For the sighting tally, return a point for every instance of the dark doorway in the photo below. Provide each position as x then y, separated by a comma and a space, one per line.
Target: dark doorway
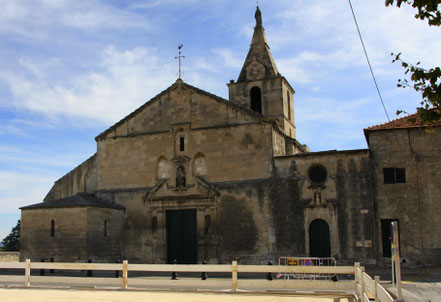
319, 240
386, 236
182, 236
256, 99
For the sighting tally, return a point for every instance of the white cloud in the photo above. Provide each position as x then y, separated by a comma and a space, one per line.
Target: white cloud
109, 92
36, 19
20, 189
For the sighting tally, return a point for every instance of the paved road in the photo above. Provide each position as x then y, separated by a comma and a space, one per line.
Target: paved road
65, 295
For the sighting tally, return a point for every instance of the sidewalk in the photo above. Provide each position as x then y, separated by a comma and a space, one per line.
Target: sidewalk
418, 283
57, 295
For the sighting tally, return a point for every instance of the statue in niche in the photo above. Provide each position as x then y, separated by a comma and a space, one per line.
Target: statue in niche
317, 198
180, 177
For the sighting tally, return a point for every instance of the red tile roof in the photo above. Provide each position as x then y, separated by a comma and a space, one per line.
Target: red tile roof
402, 123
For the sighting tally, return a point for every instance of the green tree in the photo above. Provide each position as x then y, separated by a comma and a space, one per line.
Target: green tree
12, 241
425, 81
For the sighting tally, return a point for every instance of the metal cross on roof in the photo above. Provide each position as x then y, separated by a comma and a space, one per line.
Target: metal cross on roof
179, 57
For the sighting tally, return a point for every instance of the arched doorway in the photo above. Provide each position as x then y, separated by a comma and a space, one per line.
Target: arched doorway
319, 239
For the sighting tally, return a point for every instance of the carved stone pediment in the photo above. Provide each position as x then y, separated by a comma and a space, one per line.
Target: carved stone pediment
198, 189
180, 159
318, 201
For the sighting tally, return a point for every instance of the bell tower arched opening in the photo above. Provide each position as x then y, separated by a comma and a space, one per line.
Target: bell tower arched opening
256, 99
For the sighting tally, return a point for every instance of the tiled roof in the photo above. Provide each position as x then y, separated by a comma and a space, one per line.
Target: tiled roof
402, 123
78, 200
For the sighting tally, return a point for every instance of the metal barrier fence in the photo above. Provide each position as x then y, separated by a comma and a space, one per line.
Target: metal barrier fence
307, 261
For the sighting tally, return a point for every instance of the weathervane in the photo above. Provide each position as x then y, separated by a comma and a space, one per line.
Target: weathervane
179, 57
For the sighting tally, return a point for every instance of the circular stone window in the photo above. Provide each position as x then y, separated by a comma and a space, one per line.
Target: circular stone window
317, 173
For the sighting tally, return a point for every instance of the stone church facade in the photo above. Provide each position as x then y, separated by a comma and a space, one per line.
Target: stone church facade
191, 176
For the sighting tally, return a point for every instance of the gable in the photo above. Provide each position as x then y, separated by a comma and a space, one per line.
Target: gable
164, 190
182, 104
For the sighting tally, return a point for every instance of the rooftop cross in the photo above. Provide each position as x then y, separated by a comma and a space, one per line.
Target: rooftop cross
179, 57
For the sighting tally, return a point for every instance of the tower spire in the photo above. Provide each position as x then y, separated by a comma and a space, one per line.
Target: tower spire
260, 86
259, 55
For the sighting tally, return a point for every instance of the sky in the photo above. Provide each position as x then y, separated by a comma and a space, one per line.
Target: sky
71, 69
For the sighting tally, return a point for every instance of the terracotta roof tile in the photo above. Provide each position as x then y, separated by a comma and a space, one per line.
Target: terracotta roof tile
402, 123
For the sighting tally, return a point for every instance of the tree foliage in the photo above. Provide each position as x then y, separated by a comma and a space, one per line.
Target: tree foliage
425, 81
12, 241
427, 9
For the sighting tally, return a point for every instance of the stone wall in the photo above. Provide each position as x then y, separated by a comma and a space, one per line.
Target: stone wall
135, 236
416, 203
105, 234
78, 234
9, 256
69, 237
230, 154
263, 219
274, 100
344, 200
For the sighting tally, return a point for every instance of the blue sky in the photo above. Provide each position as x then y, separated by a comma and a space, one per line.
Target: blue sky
70, 69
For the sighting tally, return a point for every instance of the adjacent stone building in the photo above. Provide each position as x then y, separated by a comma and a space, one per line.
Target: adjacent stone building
191, 176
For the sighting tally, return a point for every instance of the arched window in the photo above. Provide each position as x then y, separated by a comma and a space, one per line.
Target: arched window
256, 99
52, 228
288, 98
163, 168
180, 177
200, 166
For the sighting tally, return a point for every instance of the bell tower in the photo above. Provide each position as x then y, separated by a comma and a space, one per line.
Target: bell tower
261, 87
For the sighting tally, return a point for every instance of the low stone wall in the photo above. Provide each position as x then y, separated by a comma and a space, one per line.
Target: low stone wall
9, 256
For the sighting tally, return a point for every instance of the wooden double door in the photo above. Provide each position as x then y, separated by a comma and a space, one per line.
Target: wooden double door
182, 236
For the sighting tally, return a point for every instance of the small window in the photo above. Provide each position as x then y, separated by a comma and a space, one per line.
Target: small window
181, 144
394, 175
105, 228
317, 173
289, 105
400, 174
52, 228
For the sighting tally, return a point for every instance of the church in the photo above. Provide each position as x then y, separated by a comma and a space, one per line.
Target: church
192, 177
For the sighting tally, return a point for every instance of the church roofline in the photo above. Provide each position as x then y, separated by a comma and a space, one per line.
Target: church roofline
404, 122
78, 200
410, 121
324, 153
188, 86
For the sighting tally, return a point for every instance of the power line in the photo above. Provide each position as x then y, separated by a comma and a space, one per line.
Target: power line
368, 61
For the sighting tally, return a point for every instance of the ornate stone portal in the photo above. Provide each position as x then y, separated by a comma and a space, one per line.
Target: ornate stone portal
197, 195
